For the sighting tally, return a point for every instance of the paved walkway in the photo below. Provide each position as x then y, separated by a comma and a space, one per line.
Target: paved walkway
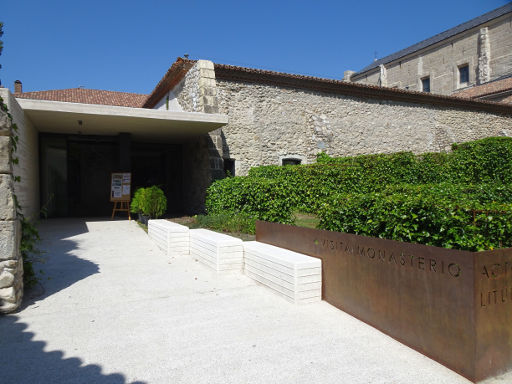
116, 310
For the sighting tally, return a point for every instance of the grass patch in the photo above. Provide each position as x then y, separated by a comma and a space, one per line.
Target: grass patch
236, 225
143, 226
306, 220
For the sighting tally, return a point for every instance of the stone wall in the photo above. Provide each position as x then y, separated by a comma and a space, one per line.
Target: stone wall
269, 122
11, 265
487, 49
27, 169
197, 92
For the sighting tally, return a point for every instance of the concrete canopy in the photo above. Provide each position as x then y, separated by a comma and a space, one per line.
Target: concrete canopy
141, 123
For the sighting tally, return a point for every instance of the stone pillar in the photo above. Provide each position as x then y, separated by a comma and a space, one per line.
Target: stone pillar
208, 104
383, 79
11, 264
484, 56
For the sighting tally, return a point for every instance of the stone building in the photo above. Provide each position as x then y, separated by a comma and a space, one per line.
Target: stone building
201, 121
204, 119
471, 54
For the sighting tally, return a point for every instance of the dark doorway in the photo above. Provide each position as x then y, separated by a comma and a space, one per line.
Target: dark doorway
90, 164
160, 165
76, 172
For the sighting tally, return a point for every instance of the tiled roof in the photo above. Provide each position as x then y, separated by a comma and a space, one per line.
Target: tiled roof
173, 76
87, 96
487, 89
439, 37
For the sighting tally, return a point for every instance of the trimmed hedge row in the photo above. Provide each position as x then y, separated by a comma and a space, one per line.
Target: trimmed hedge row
460, 199
260, 198
470, 217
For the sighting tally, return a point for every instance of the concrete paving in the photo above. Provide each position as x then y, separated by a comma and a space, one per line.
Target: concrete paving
112, 308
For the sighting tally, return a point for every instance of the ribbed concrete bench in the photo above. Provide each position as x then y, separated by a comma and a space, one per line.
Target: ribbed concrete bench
170, 237
295, 276
216, 250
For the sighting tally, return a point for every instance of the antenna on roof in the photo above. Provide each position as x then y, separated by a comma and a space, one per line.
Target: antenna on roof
375, 56
186, 55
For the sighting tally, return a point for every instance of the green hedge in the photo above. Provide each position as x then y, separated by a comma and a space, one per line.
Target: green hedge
470, 217
260, 198
431, 198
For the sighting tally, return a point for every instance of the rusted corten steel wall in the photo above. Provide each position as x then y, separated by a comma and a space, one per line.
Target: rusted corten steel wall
453, 306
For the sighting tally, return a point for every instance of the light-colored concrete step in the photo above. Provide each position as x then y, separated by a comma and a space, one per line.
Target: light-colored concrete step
216, 250
172, 238
295, 276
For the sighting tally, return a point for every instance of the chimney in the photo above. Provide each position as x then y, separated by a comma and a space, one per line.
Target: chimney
347, 75
18, 87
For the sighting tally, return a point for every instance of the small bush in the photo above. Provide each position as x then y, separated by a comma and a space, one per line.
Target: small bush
154, 202
138, 197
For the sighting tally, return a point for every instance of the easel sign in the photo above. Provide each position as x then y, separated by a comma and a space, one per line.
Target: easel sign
120, 192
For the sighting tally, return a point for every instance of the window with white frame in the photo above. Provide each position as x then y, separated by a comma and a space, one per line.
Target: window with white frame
464, 75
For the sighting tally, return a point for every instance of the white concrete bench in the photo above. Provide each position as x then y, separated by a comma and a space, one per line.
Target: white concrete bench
216, 250
295, 276
170, 237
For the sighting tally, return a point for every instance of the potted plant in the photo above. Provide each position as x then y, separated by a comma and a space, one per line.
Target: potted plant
154, 203
136, 204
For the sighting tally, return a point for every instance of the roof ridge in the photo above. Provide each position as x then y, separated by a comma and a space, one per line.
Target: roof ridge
79, 88
244, 74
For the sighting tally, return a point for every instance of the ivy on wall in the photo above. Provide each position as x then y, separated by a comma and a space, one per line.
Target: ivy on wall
29, 233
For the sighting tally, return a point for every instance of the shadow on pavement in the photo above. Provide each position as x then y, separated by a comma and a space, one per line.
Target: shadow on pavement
24, 360
57, 267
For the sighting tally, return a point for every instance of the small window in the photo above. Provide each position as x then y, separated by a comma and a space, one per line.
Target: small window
464, 75
229, 167
425, 84
291, 161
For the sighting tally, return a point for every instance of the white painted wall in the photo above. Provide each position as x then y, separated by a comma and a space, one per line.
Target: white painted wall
27, 190
174, 105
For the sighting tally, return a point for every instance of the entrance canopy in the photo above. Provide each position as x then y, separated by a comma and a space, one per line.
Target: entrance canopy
94, 119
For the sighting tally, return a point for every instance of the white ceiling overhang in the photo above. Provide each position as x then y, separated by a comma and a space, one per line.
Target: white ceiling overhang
64, 117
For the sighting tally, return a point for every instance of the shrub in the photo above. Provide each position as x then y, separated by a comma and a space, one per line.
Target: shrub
452, 216
459, 199
258, 197
138, 197
153, 202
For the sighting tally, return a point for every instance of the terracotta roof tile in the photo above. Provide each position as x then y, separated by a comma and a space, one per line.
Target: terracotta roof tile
173, 76
87, 96
487, 89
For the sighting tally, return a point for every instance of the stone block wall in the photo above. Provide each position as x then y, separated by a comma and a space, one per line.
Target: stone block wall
486, 49
269, 122
11, 265
197, 92
27, 168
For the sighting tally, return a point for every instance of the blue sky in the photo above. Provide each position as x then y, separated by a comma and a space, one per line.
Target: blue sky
129, 45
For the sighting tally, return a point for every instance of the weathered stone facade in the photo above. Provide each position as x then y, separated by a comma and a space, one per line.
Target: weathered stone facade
197, 92
11, 265
27, 190
275, 116
268, 122
485, 48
